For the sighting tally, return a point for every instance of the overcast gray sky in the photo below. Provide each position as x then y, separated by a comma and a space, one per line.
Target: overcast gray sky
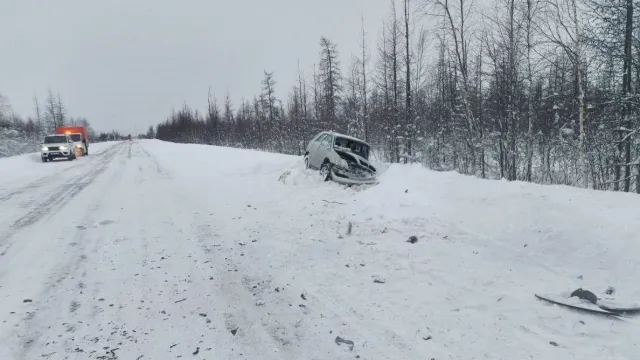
126, 63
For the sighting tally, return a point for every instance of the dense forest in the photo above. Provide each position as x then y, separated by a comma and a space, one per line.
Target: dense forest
534, 90
19, 135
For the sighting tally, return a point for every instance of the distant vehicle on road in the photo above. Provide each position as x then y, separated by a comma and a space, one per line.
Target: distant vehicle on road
56, 147
80, 138
341, 158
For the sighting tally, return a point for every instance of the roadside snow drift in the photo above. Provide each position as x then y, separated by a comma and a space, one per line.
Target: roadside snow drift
153, 250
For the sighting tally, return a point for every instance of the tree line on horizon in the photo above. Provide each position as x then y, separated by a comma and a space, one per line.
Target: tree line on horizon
20, 135
47, 116
543, 91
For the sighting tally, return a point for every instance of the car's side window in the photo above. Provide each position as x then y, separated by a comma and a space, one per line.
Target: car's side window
327, 140
321, 137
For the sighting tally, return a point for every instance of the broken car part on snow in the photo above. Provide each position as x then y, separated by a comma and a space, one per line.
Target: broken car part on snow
585, 300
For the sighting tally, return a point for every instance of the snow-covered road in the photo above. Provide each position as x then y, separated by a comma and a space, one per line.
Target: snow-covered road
152, 250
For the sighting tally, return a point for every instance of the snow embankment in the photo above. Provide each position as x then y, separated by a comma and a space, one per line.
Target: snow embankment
464, 290
12, 142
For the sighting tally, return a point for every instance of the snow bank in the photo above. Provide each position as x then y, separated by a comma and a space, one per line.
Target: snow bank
564, 225
486, 246
13, 142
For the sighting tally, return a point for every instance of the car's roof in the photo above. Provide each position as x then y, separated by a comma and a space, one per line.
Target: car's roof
345, 136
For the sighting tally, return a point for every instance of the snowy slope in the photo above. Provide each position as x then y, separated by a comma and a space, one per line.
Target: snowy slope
152, 250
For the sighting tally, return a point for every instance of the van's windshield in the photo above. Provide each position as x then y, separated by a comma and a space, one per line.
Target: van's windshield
76, 137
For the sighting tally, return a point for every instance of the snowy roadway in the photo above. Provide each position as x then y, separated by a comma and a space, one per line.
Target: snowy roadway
151, 250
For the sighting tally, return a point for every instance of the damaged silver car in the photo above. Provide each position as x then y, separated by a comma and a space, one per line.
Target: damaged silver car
341, 158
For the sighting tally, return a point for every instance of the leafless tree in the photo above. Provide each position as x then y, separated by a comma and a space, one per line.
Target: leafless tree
364, 89
530, 13
563, 28
409, 116
456, 16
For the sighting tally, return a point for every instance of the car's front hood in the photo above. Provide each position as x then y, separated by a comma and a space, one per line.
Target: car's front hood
357, 163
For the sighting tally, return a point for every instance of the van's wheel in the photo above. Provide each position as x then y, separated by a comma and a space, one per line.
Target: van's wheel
325, 171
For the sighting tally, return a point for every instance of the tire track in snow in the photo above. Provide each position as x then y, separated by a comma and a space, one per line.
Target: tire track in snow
255, 327
248, 326
63, 280
29, 330
159, 169
27, 188
64, 190
385, 342
72, 270
145, 311
37, 184
297, 328
82, 322
268, 320
267, 317
59, 197
33, 327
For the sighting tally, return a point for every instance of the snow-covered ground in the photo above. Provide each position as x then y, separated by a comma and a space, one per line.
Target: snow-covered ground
152, 250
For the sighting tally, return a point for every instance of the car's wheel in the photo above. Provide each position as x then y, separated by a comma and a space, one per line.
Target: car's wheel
44, 159
325, 171
70, 157
306, 162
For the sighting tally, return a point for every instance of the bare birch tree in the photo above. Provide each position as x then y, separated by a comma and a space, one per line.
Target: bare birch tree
563, 28
364, 89
456, 17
